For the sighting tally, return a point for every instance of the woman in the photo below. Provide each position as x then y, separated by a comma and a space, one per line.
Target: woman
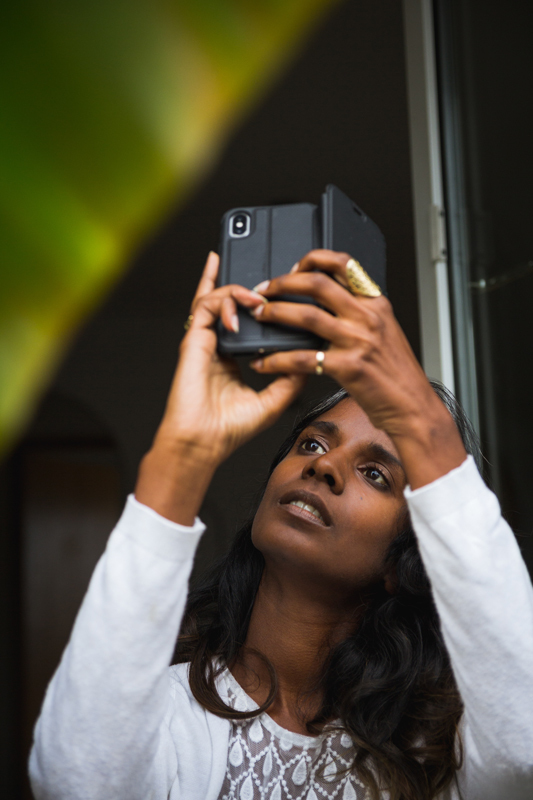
318, 667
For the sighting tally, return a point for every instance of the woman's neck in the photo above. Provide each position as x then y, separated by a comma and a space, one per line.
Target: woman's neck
295, 628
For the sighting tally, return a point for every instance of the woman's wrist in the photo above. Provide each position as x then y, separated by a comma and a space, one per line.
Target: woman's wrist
174, 477
429, 446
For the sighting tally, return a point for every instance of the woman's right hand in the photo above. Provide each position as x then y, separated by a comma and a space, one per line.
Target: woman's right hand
210, 412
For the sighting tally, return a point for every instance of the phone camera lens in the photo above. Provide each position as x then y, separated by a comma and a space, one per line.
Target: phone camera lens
240, 225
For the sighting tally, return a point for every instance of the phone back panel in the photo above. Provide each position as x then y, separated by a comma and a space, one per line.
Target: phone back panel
279, 237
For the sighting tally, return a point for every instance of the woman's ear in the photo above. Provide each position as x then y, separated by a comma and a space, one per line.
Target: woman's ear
390, 581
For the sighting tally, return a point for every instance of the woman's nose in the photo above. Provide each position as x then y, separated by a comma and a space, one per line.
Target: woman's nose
326, 468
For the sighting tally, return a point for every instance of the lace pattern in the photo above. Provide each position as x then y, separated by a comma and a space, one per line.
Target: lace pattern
267, 762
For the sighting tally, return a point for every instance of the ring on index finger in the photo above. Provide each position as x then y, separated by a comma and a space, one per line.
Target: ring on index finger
359, 281
320, 356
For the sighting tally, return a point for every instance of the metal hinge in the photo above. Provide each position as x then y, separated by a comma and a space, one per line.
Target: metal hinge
439, 250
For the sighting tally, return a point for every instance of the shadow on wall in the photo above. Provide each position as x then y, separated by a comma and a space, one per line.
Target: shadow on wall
67, 498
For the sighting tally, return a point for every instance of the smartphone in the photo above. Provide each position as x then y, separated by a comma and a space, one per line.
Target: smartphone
263, 242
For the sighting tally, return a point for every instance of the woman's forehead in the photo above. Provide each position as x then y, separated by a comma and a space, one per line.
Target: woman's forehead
348, 416
351, 422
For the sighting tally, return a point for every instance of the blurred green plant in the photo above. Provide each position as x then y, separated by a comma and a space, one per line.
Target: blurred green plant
109, 111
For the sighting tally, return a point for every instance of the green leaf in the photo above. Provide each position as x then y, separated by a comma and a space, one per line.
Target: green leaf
110, 110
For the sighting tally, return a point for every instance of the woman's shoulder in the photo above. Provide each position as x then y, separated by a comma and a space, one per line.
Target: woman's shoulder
192, 726
179, 676
180, 689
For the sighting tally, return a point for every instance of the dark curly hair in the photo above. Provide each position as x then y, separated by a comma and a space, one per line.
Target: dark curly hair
390, 682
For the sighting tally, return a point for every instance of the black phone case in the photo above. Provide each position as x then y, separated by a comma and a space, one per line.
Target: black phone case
347, 229
279, 237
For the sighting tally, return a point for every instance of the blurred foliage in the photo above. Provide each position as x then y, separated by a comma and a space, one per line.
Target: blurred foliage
110, 110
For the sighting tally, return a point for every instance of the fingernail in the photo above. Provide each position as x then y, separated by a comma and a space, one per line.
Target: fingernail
261, 287
258, 311
235, 323
257, 364
293, 269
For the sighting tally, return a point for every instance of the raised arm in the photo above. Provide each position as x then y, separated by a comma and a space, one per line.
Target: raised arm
209, 412
485, 601
104, 731
479, 581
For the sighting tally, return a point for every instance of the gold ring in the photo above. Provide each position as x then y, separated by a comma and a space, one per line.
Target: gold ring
188, 322
320, 356
359, 282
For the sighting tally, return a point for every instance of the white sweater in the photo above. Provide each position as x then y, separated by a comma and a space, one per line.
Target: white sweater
117, 724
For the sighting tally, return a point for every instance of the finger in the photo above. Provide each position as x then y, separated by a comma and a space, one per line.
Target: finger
338, 331
322, 288
228, 314
328, 261
209, 277
294, 362
208, 309
279, 394
345, 269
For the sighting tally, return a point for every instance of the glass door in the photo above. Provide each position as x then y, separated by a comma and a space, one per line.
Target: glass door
485, 73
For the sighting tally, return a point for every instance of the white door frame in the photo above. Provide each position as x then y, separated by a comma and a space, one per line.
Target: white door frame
428, 197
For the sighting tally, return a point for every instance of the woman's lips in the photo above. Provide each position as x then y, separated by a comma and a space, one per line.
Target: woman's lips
307, 505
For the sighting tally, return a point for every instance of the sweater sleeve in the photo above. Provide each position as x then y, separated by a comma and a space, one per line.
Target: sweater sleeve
484, 598
104, 714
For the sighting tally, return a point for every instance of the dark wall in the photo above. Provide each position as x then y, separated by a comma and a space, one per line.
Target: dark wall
338, 115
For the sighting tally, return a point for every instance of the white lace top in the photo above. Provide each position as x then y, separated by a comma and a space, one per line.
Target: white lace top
117, 723
267, 762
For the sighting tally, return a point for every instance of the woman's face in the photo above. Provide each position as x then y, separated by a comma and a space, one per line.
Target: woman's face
334, 504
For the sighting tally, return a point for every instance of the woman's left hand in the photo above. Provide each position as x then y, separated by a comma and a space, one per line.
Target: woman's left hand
368, 355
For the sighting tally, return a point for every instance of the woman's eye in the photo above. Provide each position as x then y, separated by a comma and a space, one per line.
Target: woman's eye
375, 475
312, 446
